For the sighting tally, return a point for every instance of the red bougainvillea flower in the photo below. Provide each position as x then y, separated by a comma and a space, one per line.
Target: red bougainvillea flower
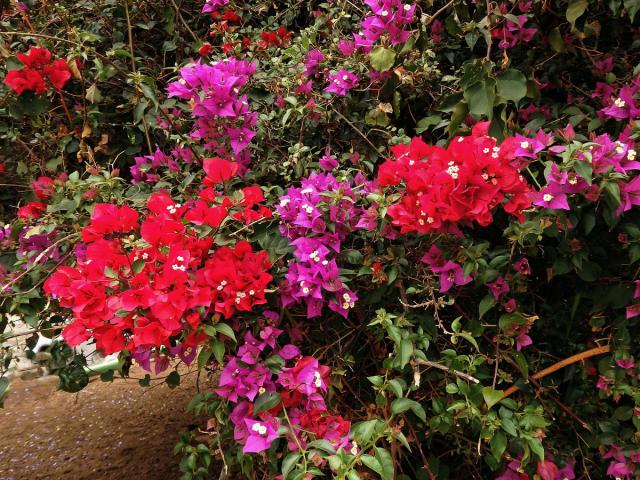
35, 57
31, 211
205, 49
58, 73
43, 187
459, 185
38, 67
218, 170
25, 80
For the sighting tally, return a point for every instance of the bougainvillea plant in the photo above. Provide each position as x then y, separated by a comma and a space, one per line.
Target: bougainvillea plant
396, 239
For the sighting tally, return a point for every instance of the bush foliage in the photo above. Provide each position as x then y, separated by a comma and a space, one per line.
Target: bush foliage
400, 239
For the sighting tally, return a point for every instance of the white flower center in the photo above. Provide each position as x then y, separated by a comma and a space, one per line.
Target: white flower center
547, 197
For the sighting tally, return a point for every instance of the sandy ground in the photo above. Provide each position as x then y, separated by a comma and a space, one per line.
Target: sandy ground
108, 431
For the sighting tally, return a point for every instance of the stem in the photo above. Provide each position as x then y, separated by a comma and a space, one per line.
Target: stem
66, 109
439, 366
133, 70
295, 437
559, 365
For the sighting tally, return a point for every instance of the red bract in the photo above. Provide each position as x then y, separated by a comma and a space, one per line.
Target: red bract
205, 49
31, 211
218, 170
446, 188
25, 80
43, 187
35, 58
38, 66
107, 219
58, 73
147, 284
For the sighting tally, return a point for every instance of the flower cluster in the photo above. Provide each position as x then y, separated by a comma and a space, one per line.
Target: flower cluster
223, 118
316, 217
622, 464
38, 67
603, 156
621, 106
145, 168
545, 470
296, 392
138, 284
342, 82
389, 17
514, 32
462, 184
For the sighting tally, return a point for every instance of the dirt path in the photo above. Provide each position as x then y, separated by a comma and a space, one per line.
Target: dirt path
108, 431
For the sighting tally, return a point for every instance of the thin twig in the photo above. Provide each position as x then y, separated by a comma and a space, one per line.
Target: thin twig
439, 366
438, 12
195, 37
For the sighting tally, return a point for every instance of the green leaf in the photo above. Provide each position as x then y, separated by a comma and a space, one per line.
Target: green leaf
498, 445
384, 457
218, 350
266, 401
486, 304
226, 330
403, 404
373, 463
406, 349
144, 382
425, 123
536, 447
138, 266
203, 356
512, 85
322, 444
173, 379
491, 396
480, 97
289, 463
363, 431
93, 94
632, 7
4, 390
575, 10
584, 170
556, 41
382, 59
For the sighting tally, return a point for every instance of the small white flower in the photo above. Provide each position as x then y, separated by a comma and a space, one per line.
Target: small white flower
384, 13
180, 258
619, 103
354, 448
547, 197
345, 77
430, 220
317, 379
524, 144
420, 222
460, 139
407, 7
631, 154
485, 150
